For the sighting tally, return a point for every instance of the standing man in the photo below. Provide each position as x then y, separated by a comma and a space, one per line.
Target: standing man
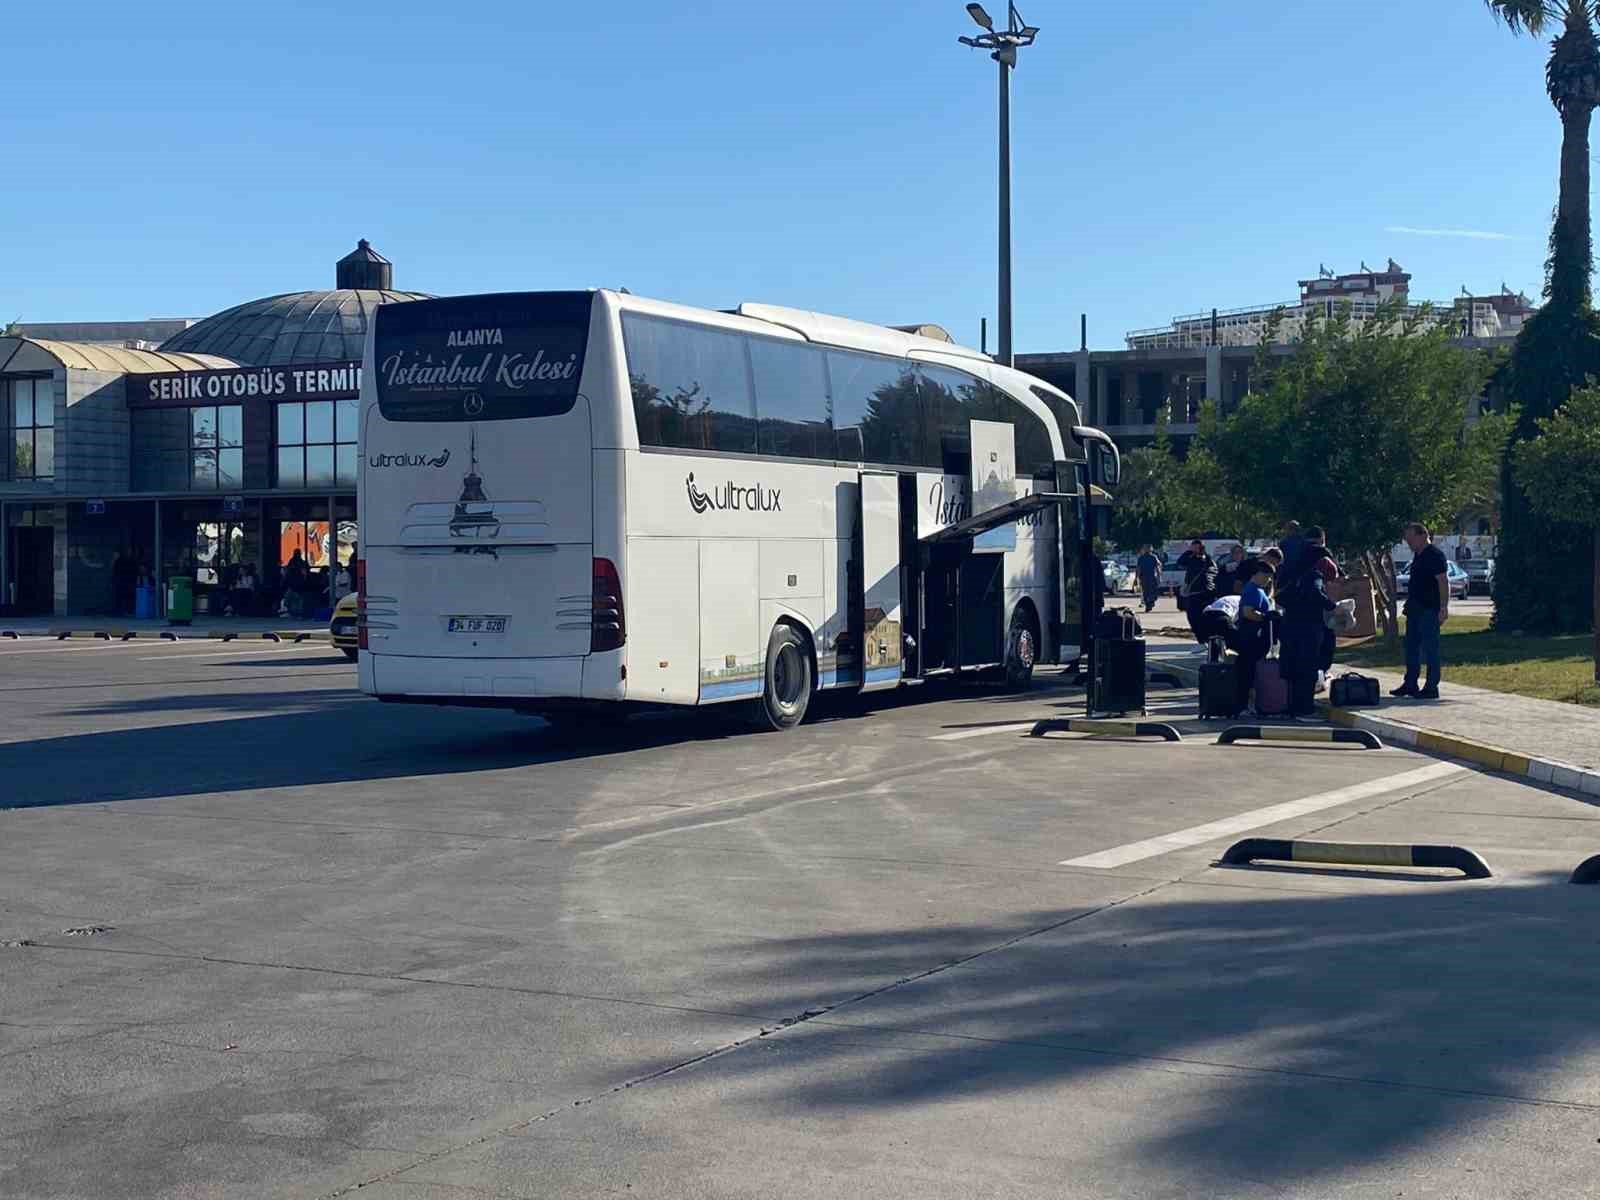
1304, 600
1463, 551
1149, 577
1230, 576
1427, 608
1199, 585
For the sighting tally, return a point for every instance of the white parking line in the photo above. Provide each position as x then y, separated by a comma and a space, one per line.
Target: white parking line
962, 735
240, 653
1121, 856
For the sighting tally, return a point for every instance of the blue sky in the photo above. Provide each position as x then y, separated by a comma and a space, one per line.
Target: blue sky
1170, 155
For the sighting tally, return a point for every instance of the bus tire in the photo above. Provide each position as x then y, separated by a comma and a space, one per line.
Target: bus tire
787, 685
1022, 650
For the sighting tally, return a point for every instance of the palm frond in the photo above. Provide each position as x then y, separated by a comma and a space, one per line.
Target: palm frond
1529, 16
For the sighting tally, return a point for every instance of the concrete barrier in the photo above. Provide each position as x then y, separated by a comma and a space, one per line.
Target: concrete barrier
1115, 728
1357, 854
1297, 733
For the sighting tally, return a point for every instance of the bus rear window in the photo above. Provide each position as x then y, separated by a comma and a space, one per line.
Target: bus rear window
480, 358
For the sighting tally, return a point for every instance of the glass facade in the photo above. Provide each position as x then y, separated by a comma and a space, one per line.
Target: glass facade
188, 449
31, 417
316, 444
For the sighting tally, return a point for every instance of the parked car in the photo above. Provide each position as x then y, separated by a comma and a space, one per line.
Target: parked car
1460, 583
1120, 578
1480, 575
342, 629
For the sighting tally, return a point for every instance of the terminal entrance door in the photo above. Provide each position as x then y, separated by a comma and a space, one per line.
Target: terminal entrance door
33, 573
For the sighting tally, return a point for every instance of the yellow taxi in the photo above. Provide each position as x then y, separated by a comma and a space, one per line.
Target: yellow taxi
343, 626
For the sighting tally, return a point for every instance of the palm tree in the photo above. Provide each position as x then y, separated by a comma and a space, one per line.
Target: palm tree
1572, 77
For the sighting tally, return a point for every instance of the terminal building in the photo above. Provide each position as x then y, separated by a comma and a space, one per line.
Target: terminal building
229, 444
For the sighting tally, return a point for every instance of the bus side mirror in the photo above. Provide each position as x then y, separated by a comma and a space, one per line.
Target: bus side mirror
1108, 467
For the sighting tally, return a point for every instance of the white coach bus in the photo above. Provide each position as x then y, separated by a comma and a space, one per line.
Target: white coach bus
577, 500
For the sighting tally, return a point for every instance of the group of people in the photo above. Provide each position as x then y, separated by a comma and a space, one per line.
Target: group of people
1282, 594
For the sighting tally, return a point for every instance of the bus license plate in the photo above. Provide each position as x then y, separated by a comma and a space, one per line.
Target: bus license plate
477, 625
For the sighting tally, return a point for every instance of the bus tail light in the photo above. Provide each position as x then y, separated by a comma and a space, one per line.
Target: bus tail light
608, 631
361, 604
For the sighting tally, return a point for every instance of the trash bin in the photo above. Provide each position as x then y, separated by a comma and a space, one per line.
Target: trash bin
180, 600
144, 602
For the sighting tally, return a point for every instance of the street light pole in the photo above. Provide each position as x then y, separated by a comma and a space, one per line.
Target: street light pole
1005, 207
1003, 44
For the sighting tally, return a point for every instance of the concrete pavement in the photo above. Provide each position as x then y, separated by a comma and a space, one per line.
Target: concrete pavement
266, 938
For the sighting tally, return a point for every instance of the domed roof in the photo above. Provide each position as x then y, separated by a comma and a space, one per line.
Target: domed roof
297, 327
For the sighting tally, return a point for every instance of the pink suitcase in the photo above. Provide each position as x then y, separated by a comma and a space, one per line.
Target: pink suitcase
1272, 690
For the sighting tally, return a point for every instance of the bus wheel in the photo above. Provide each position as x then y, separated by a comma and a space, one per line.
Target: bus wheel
786, 693
1022, 651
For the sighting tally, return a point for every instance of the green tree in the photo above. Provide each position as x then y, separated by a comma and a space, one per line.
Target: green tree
1363, 428
1559, 347
1204, 496
1145, 510
1560, 470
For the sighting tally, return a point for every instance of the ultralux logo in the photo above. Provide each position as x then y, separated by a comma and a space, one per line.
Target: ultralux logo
731, 497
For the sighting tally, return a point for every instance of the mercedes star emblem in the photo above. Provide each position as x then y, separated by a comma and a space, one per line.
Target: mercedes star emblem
472, 404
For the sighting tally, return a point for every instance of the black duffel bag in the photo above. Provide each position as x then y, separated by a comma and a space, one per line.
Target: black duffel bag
1353, 691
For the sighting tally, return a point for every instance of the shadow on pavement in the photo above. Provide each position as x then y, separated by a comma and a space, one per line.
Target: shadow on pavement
1321, 1032
344, 739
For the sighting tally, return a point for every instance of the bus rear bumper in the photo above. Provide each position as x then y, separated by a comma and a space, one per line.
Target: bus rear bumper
500, 681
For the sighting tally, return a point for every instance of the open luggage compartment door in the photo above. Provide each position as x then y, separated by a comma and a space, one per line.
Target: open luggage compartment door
875, 610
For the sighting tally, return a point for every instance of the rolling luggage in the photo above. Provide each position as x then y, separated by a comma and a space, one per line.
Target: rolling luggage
1219, 691
1272, 689
1118, 624
1121, 685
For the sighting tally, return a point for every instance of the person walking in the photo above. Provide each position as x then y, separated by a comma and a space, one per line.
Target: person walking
1304, 600
1199, 584
1149, 577
1427, 608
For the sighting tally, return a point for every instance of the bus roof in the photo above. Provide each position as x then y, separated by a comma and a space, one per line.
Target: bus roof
858, 335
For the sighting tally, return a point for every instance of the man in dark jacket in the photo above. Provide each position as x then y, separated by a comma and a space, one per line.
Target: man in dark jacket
1199, 585
1230, 577
1304, 601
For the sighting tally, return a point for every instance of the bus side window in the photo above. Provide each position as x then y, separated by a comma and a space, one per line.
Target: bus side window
878, 398
791, 399
690, 384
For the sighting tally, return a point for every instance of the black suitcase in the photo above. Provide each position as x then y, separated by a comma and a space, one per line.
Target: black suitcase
1120, 687
1118, 624
1351, 690
1219, 691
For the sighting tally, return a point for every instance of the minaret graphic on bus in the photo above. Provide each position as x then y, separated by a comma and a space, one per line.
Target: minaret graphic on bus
474, 516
